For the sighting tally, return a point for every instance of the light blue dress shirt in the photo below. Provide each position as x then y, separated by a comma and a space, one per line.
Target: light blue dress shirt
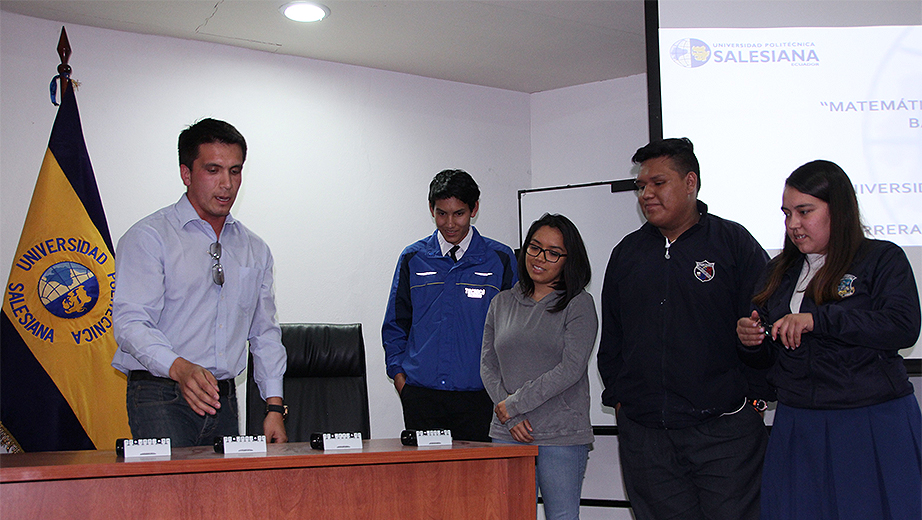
166, 304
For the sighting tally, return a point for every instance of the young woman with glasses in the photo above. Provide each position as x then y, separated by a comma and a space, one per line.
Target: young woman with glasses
536, 346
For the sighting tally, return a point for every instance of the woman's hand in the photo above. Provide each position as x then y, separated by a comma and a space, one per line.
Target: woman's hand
788, 330
750, 330
501, 413
520, 432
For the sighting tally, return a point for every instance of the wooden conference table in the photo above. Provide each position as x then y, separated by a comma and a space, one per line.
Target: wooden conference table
467, 480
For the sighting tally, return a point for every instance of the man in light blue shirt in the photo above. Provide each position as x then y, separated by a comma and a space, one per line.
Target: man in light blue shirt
194, 285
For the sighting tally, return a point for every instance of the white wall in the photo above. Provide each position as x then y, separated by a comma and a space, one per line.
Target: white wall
338, 169
588, 133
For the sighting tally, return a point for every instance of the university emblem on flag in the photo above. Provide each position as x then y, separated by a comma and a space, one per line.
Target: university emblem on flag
847, 285
704, 271
68, 290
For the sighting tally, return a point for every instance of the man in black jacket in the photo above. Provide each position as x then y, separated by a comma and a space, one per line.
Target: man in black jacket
691, 443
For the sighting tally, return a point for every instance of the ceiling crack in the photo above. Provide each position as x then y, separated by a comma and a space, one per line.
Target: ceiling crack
210, 17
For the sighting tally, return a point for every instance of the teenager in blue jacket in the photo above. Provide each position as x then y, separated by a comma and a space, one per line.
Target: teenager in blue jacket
433, 325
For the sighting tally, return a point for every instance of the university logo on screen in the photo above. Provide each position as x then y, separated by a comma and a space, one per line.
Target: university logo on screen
692, 53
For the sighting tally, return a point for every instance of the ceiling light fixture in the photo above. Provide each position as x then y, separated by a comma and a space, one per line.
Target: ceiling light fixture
305, 11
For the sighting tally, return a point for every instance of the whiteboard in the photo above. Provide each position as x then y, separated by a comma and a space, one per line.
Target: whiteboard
603, 217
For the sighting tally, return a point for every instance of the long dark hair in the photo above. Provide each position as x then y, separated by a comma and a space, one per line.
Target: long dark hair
576, 271
826, 181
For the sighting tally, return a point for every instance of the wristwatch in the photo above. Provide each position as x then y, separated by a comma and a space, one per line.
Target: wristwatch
760, 405
280, 408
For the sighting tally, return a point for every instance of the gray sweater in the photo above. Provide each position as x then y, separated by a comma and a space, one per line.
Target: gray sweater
538, 362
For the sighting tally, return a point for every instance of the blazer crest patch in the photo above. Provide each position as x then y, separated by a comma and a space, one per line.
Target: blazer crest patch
704, 271
847, 285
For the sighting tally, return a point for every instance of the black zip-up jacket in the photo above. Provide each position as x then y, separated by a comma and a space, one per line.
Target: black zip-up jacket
851, 357
668, 348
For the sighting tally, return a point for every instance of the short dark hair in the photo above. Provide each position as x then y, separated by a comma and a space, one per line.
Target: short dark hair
454, 183
576, 270
207, 131
680, 150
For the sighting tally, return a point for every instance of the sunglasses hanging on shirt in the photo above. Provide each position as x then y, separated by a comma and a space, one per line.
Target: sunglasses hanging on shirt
217, 270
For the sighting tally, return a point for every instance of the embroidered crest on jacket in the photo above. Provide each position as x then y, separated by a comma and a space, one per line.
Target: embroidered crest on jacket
704, 271
847, 285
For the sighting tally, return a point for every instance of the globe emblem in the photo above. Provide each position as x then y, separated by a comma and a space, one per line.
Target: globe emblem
68, 290
690, 52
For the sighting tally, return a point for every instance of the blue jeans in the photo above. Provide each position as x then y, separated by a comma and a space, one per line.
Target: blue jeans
559, 473
157, 409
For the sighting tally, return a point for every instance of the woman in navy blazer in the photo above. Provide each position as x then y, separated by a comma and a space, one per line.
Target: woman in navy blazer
833, 311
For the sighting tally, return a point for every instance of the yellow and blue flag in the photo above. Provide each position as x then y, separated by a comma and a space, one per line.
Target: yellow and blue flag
58, 390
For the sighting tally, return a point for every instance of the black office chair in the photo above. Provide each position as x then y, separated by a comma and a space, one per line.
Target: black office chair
325, 384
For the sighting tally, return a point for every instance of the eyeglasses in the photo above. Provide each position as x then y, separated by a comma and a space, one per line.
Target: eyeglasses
549, 255
217, 270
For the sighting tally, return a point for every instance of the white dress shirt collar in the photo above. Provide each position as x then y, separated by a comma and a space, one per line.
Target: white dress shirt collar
446, 246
